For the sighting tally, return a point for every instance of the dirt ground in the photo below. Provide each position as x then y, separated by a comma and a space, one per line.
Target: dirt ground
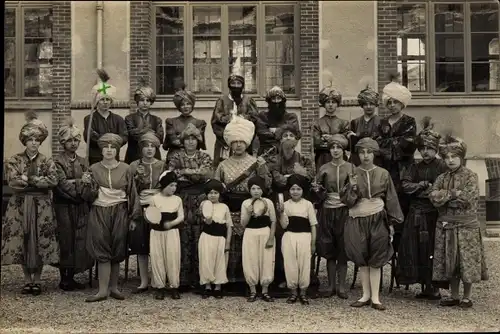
55, 311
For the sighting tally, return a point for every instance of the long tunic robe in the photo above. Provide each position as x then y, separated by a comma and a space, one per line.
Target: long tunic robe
137, 125
363, 129
458, 249
417, 240
228, 171
266, 121
326, 125
222, 115
147, 185
366, 234
397, 147
191, 191
175, 126
117, 204
112, 124
72, 199
29, 230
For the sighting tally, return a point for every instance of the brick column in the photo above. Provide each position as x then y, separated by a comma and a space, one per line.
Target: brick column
61, 68
387, 28
141, 49
309, 70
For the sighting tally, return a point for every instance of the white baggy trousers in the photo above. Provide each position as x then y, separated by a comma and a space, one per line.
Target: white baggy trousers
296, 249
212, 259
258, 261
165, 254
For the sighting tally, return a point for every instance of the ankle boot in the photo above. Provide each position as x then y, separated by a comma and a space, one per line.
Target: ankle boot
64, 284
74, 284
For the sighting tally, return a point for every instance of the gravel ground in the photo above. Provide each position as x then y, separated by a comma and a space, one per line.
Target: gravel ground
54, 311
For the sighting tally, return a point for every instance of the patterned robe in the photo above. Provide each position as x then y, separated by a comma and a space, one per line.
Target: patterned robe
265, 121
112, 124
417, 239
363, 129
228, 171
458, 250
221, 116
175, 126
137, 125
191, 191
330, 125
29, 230
72, 200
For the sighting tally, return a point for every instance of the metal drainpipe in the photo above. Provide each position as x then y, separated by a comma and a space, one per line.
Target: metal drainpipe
99, 7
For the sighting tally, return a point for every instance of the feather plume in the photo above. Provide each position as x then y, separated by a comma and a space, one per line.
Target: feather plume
448, 137
393, 75
103, 75
69, 121
426, 123
143, 81
30, 115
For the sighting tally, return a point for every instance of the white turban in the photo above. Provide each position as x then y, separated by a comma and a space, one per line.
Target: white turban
396, 91
103, 90
239, 129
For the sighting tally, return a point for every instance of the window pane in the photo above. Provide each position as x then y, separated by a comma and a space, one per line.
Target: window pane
413, 74
449, 18
207, 64
279, 49
282, 76
9, 47
280, 19
207, 79
206, 20
37, 52
483, 46
168, 79
449, 48
243, 60
169, 49
242, 20
411, 19
484, 17
169, 21
486, 76
450, 78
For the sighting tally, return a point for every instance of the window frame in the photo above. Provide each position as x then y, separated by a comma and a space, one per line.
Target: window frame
19, 37
430, 40
260, 44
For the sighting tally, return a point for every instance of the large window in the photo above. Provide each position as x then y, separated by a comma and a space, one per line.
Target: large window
27, 51
449, 47
201, 44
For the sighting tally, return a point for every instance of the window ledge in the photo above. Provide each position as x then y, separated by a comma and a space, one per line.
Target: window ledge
28, 104
454, 101
209, 103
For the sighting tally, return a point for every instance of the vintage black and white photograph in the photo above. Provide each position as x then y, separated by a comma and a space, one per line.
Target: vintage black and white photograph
251, 166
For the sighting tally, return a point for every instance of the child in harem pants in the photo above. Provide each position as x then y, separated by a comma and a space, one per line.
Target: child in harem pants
298, 219
214, 242
258, 251
165, 245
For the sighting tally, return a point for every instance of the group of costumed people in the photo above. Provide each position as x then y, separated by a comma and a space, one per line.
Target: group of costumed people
271, 209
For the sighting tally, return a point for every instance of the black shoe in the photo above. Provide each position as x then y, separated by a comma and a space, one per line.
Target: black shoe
66, 286
36, 289
175, 294
159, 294
206, 293
218, 294
27, 289
137, 291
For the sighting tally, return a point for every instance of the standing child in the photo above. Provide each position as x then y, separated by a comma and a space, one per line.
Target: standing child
164, 242
299, 241
215, 240
259, 219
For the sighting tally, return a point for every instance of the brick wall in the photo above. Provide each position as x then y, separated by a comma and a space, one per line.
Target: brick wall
387, 27
309, 69
493, 168
61, 82
141, 49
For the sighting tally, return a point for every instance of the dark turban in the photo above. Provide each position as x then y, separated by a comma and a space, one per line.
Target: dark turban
257, 181
236, 77
328, 93
273, 92
290, 128
300, 180
428, 137
452, 144
166, 178
213, 184
368, 95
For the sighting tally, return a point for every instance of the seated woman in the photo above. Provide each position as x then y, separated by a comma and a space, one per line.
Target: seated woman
193, 167
146, 172
458, 251
373, 209
29, 230
117, 205
234, 172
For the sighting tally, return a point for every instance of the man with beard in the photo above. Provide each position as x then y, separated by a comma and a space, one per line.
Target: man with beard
227, 107
366, 125
285, 163
270, 125
141, 122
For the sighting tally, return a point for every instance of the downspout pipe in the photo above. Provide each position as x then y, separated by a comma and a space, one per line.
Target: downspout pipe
99, 8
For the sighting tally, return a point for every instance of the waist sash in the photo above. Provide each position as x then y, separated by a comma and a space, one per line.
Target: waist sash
332, 201
165, 217
259, 222
298, 225
366, 207
108, 197
215, 229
